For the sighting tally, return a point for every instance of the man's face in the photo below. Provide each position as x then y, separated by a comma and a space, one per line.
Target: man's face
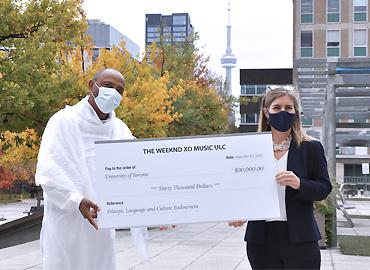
110, 79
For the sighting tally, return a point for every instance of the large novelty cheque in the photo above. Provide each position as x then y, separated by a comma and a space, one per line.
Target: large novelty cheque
150, 182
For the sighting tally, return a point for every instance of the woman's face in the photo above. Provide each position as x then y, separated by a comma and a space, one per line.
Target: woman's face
283, 103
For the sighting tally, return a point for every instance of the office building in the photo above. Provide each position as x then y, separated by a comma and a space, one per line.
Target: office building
253, 84
170, 29
331, 55
105, 36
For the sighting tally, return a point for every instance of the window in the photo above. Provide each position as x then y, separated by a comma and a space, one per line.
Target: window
359, 10
179, 29
179, 20
260, 89
332, 43
360, 42
179, 39
152, 39
154, 29
179, 34
96, 53
250, 118
306, 44
153, 35
353, 170
333, 9
306, 11
252, 89
167, 29
242, 89
306, 121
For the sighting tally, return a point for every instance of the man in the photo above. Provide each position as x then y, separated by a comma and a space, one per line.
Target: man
65, 170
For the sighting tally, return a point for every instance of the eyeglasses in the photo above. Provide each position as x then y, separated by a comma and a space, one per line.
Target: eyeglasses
281, 87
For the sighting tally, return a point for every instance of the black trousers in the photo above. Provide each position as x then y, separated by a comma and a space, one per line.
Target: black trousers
279, 253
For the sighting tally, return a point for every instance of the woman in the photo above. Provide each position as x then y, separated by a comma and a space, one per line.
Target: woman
289, 242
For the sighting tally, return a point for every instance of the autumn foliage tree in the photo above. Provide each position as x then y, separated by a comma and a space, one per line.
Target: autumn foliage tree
43, 46
7, 178
35, 78
169, 93
19, 153
202, 108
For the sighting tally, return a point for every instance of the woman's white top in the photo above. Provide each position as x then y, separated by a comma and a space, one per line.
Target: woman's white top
281, 165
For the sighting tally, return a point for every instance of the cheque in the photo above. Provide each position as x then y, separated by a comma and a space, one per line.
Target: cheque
152, 182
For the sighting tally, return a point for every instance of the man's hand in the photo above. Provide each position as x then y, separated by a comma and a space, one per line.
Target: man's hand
237, 223
89, 211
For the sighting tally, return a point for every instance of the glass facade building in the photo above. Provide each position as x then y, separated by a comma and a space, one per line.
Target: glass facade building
253, 84
171, 29
105, 36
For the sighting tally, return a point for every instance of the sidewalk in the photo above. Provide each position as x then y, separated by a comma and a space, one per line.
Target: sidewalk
12, 211
212, 246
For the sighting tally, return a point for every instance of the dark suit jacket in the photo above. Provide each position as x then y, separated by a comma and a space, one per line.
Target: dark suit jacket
308, 162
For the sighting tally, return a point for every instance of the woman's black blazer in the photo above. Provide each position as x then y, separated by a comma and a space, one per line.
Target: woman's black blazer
308, 162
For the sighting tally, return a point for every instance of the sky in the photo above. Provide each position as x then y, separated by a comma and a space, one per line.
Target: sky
261, 33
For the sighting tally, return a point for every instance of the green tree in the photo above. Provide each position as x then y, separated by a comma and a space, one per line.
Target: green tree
169, 93
202, 108
201, 111
37, 38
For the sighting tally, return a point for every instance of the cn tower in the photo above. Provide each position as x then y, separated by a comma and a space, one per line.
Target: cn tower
228, 60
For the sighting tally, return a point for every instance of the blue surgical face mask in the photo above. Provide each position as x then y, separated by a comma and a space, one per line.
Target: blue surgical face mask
281, 121
108, 99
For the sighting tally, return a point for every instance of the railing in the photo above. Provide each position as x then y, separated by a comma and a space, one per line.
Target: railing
357, 179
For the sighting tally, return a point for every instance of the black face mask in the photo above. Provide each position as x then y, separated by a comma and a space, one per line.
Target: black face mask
281, 121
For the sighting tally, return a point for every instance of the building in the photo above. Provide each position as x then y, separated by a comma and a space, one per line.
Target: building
331, 69
171, 29
228, 60
331, 28
105, 36
253, 84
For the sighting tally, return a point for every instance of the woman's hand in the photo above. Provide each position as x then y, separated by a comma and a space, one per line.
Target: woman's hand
288, 178
237, 223
166, 227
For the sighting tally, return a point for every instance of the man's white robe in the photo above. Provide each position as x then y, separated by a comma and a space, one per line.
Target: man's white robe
65, 170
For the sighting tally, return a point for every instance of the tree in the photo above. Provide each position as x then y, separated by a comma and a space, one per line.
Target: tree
201, 111
6, 178
18, 154
169, 93
202, 107
36, 38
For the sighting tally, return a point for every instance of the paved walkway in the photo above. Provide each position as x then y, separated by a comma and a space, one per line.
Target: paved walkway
12, 211
212, 246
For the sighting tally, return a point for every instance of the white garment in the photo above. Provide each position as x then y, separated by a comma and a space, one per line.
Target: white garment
65, 170
281, 165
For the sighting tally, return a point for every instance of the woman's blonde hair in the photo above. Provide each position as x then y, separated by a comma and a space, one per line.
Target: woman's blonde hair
273, 92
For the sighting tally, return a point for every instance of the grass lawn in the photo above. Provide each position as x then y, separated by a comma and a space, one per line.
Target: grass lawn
5, 198
360, 216
354, 245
